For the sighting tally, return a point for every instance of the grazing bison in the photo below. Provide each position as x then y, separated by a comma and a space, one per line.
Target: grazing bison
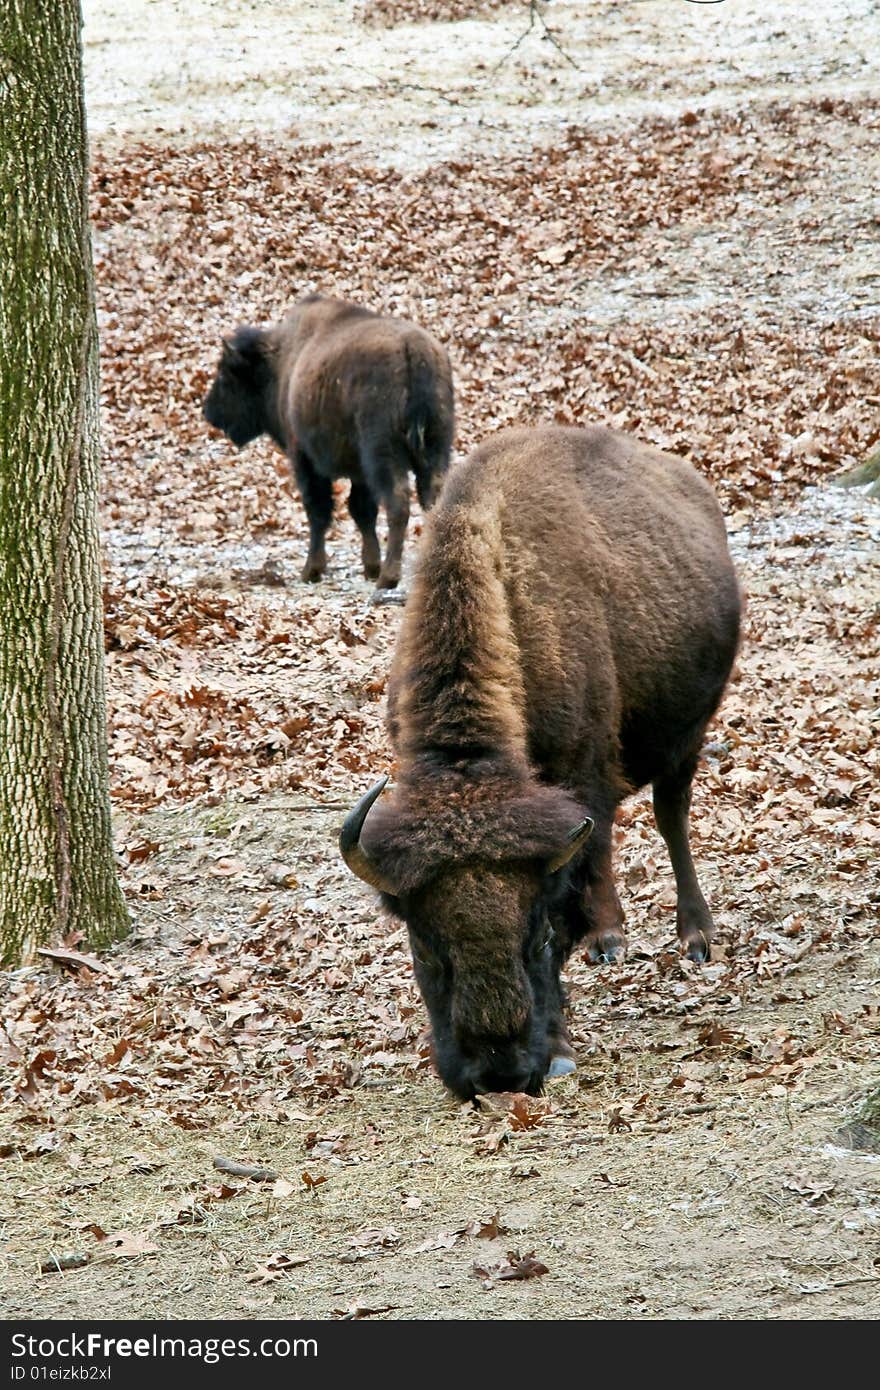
346, 393
571, 626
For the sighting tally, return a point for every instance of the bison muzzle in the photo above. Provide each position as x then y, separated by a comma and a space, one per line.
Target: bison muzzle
573, 621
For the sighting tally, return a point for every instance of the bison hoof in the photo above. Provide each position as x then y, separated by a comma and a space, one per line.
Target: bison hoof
312, 573
371, 571
696, 946
560, 1066
607, 949
388, 581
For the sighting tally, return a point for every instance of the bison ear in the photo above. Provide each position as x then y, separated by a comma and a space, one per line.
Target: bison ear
230, 354
244, 349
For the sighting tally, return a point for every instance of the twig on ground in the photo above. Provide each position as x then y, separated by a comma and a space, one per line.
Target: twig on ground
536, 17
839, 1284
244, 1170
396, 85
57, 1264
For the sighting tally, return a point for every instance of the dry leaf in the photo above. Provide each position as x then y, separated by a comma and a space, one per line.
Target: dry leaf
276, 1267
359, 1310
128, 1244
516, 1267
312, 1182
75, 959
281, 1188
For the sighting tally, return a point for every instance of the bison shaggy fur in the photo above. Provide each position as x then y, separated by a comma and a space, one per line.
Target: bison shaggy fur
346, 393
572, 623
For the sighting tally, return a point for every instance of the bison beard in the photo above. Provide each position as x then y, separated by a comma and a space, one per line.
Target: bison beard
573, 621
346, 393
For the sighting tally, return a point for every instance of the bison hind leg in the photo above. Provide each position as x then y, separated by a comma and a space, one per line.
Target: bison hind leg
317, 495
385, 466
672, 799
364, 510
396, 501
314, 567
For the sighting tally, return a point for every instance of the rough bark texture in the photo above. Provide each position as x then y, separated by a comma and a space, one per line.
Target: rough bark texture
57, 871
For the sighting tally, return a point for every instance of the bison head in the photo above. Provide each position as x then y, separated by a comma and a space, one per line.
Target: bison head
240, 399
475, 873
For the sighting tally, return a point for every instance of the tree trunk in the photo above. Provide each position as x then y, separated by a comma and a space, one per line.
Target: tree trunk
57, 872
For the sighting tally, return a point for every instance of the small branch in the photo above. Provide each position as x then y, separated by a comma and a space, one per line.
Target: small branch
522, 38
840, 1284
57, 1264
536, 17
635, 362
244, 1170
396, 85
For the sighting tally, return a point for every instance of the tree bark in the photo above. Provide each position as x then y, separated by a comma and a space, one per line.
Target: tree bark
57, 871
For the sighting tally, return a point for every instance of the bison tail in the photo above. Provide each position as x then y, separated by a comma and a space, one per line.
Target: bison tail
416, 437
428, 422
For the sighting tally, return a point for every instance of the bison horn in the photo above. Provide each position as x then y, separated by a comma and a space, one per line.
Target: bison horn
576, 838
350, 846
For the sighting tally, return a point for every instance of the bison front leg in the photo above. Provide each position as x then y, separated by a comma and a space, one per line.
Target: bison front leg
605, 938
562, 1062
317, 495
593, 912
364, 510
560, 1051
672, 799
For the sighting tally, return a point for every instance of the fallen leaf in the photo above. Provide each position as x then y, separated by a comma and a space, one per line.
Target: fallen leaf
282, 1188
526, 1268
815, 1192
76, 959
487, 1229
125, 1245
275, 1267
311, 1182
358, 1310
141, 850
516, 1267
385, 1237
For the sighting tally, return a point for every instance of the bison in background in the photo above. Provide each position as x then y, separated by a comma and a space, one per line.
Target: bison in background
346, 393
571, 626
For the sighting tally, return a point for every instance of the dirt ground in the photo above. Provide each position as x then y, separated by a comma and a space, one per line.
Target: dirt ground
664, 216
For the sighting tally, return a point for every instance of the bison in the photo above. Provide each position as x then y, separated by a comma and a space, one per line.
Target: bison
346, 393
572, 623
